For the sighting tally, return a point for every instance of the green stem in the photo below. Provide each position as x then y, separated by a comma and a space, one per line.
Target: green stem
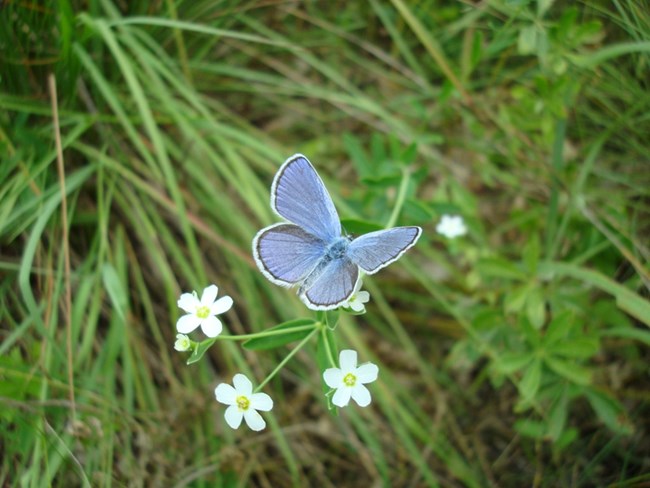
401, 196
328, 350
286, 360
257, 335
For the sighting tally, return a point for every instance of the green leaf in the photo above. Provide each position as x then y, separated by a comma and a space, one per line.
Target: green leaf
510, 362
515, 299
355, 226
609, 411
357, 154
529, 384
531, 254
500, 268
543, 6
532, 335
530, 428
383, 181
527, 42
277, 340
409, 154
487, 319
558, 415
566, 438
560, 327
417, 211
200, 350
581, 348
626, 299
536, 308
115, 290
571, 371
628, 333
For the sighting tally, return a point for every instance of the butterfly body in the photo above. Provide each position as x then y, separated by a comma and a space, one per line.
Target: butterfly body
310, 249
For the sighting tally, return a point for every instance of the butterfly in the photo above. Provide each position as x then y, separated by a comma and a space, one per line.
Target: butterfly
310, 250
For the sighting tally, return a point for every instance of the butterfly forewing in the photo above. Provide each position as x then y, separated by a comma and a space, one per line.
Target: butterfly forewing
376, 250
333, 287
299, 195
286, 253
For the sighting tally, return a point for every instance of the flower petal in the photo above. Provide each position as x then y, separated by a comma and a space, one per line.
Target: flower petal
182, 343
225, 394
187, 323
233, 416
211, 326
254, 420
188, 302
363, 296
261, 401
348, 360
221, 306
333, 377
209, 294
361, 395
357, 306
342, 396
242, 384
367, 373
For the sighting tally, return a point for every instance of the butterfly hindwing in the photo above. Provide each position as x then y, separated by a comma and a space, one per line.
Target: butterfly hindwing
299, 195
334, 285
376, 250
286, 253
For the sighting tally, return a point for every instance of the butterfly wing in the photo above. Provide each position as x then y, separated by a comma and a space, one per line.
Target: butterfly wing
286, 253
299, 196
376, 250
334, 285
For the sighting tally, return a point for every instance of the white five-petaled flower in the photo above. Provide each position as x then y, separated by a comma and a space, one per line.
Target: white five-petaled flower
182, 343
349, 380
243, 403
203, 312
451, 226
358, 299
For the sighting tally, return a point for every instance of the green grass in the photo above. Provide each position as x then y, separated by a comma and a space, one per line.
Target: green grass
514, 356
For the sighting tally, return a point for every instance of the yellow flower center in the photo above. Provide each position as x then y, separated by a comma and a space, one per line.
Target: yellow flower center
243, 403
349, 379
203, 312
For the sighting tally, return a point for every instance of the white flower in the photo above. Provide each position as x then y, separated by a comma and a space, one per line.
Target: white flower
182, 343
348, 380
451, 226
358, 299
243, 403
202, 312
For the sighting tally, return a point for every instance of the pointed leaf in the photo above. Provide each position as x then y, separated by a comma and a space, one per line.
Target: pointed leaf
571, 371
200, 350
529, 384
560, 327
500, 268
530, 428
531, 254
628, 333
515, 299
558, 415
581, 348
536, 308
115, 289
609, 411
510, 362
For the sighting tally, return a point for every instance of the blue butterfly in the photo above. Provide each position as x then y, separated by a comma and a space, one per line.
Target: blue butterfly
309, 250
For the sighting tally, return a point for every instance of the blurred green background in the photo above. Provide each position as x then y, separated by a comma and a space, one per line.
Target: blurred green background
516, 355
